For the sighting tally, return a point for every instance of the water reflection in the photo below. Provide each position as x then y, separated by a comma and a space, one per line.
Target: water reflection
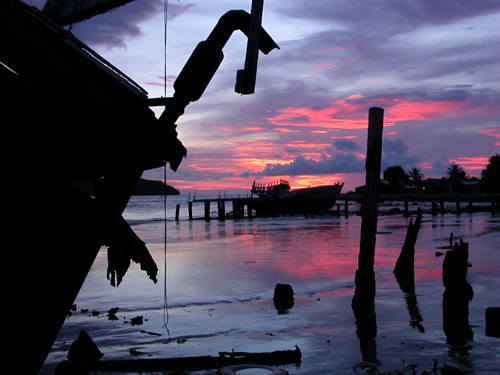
366, 331
406, 283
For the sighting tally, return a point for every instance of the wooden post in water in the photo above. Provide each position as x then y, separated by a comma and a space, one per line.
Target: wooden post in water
190, 210
177, 209
249, 210
222, 209
365, 276
237, 209
207, 210
434, 209
405, 263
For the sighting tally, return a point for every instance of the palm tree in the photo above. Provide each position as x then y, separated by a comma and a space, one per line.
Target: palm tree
456, 173
416, 176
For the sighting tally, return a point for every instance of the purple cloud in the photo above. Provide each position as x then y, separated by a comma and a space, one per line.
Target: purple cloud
113, 29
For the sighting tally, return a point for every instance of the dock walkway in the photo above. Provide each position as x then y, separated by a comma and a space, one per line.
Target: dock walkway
436, 200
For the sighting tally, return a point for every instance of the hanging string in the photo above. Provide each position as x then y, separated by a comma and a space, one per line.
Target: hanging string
166, 317
165, 20
165, 295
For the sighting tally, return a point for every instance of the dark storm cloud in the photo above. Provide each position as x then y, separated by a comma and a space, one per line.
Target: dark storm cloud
439, 167
114, 28
342, 144
390, 15
395, 152
370, 39
338, 163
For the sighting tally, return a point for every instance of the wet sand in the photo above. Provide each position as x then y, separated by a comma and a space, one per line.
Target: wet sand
221, 277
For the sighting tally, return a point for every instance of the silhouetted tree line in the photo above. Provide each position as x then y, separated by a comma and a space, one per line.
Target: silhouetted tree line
397, 180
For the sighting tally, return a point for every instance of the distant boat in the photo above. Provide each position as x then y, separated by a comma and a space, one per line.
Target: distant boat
279, 198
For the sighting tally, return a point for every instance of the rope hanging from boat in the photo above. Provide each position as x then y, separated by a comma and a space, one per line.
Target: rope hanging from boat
165, 20
165, 296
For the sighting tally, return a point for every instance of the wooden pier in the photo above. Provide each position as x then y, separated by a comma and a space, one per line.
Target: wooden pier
437, 201
461, 202
237, 203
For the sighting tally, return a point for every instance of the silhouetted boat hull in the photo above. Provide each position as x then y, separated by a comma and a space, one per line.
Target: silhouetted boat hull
278, 199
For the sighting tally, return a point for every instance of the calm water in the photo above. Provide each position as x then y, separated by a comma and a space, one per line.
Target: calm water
220, 277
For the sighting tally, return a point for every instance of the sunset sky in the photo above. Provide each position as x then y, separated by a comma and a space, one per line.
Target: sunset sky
433, 65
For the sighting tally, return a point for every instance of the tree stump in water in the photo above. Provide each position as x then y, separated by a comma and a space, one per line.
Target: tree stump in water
404, 270
458, 292
406, 258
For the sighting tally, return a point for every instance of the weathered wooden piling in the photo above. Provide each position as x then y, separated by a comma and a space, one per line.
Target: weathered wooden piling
190, 210
434, 209
458, 292
238, 209
207, 210
249, 211
495, 207
177, 209
492, 315
365, 276
221, 209
406, 259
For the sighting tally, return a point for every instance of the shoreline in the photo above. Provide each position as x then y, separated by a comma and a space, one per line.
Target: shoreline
221, 278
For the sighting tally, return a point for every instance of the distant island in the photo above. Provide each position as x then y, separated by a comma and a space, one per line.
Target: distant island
143, 187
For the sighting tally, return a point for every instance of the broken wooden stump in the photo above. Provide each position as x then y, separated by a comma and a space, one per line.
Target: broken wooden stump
492, 315
458, 292
455, 266
283, 298
406, 259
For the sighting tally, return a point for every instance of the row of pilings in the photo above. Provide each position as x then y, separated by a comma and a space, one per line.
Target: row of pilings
461, 204
237, 203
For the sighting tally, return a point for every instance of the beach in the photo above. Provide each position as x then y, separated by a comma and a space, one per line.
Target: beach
217, 295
